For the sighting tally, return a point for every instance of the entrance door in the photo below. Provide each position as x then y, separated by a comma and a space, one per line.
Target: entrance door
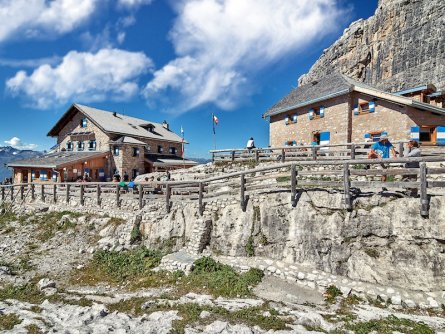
427, 135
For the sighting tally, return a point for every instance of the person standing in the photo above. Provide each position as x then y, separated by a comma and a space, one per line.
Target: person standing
382, 150
250, 144
413, 151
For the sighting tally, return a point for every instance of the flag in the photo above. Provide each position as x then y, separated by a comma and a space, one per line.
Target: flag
215, 121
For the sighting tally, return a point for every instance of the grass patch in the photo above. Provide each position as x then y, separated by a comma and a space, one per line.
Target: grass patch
331, 293
282, 179
48, 224
8, 321
372, 252
26, 292
389, 325
221, 280
117, 267
33, 329
250, 248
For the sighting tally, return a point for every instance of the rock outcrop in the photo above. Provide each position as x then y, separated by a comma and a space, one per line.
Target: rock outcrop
401, 46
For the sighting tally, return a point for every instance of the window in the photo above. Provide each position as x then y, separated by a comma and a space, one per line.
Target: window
116, 150
160, 149
135, 151
375, 136
316, 112
83, 123
134, 173
80, 146
316, 138
172, 150
427, 134
92, 145
69, 146
43, 175
364, 108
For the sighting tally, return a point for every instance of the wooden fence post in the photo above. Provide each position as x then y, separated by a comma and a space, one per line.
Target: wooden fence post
242, 197
118, 195
98, 193
201, 194
82, 198
352, 151
141, 196
401, 148
33, 191
233, 156
42, 194
213, 157
347, 186
167, 197
424, 205
68, 193
3, 194
55, 193
12, 193
283, 155
22, 192
314, 153
257, 156
293, 184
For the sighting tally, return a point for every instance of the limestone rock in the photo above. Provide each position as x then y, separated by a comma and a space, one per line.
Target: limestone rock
46, 283
401, 46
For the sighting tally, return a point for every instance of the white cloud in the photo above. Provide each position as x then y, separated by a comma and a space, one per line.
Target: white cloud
32, 17
84, 77
18, 144
221, 44
133, 3
29, 62
121, 37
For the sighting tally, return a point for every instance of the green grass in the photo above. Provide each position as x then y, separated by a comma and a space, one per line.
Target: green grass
8, 321
331, 293
389, 325
250, 248
283, 179
372, 252
33, 329
26, 292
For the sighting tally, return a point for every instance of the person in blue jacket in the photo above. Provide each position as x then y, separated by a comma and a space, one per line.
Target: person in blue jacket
382, 149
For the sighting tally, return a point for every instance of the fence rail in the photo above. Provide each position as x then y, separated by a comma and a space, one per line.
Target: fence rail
345, 151
285, 177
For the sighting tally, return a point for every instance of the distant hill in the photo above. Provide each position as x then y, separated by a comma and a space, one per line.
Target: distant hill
201, 161
9, 154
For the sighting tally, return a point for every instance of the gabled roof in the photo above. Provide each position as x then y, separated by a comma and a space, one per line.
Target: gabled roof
57, 159
115, 123
334, 85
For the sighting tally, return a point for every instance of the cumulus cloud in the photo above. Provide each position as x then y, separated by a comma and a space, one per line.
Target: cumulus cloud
83, 76
221, 44
31, 18
18, 144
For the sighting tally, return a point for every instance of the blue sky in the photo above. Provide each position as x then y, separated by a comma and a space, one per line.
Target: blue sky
179, 60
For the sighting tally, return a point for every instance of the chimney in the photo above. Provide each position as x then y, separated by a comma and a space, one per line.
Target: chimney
165, 125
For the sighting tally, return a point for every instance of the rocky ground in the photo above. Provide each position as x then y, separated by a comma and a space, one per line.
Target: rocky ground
57, 275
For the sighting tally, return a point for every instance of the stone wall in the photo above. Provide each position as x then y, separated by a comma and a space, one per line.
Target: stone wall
383, 240
335, 121
400, 47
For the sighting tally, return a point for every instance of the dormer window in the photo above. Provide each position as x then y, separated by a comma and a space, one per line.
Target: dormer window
80, 146
116, 151
83, 122
69, 146
160, 149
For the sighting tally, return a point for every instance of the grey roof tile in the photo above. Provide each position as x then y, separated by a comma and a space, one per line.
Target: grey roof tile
54, 160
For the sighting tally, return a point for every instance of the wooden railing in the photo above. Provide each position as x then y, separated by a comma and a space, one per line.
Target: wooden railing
343, 151
289, 177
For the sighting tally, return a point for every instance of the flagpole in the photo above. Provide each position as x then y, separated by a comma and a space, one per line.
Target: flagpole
183, 148
214, 132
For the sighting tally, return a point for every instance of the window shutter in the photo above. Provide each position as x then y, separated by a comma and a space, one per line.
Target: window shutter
440, 130
286, 120
94, 144
356, 112
285, 143
54, 177
415, 133
367, 135
311, 114
384, 133
372, 106
294, 143
321, 111
294, 118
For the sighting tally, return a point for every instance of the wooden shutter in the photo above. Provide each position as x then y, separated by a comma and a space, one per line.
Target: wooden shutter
321, 111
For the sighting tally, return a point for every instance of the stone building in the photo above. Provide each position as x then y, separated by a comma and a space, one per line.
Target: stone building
338, 109
101, 144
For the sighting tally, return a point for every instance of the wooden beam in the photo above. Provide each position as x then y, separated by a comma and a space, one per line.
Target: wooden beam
118, 195
55, 193
33, 191
22, 192
42, 194
242, 190
424, 203
99, 192
141, 196
201, 195
352, 151
293, 184
68, 193
347, 186
167, 197
82, 195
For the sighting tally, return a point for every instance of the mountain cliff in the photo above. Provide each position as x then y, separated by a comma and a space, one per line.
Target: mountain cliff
401, 46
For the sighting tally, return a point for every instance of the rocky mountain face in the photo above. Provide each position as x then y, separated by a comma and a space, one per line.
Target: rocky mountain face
9, 154
401, 46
